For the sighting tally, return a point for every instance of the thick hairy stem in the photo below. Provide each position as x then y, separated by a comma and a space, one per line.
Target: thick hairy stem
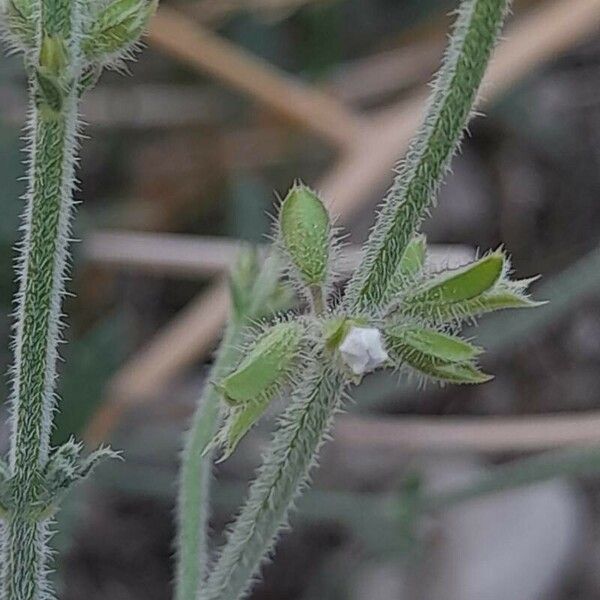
415, 186
194, 485
302, 429
43, 265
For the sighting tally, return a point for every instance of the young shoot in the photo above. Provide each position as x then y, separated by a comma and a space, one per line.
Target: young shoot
394, 313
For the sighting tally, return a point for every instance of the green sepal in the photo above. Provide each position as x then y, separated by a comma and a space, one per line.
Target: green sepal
462, 284
237, 424
435, 355
305, 234
434, 368
257, 290
266, 366
461, 373
438, 345
336, 329
50, 74
117, 27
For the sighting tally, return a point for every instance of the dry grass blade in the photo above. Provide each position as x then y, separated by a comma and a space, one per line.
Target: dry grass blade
179, 37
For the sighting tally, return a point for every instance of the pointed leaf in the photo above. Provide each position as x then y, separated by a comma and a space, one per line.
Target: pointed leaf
90, 462
462, 284
462, 373
443, 346
239, 422
458, 373
117, 27
505, 295
410, 266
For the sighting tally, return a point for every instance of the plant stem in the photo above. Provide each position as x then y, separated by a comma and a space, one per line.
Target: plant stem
301, 432
306, 422
415, 186
194, 485
43, 266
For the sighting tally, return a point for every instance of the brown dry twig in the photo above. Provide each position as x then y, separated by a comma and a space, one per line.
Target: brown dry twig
317, 112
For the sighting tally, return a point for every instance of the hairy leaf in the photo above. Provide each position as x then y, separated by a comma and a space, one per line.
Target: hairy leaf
433, 343
461, 284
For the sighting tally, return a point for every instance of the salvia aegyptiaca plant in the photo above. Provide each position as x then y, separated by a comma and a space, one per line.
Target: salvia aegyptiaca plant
393, 313
65, 44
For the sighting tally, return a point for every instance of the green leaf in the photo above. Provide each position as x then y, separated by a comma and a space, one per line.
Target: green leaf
65, 468
503, 296
443, 346
409, 268
461, 373
305, 233
464, 283
117, 27
266, 367
434, 368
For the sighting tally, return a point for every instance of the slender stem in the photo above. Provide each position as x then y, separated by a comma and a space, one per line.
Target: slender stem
415, 186
302, 430
43, 265
195, 478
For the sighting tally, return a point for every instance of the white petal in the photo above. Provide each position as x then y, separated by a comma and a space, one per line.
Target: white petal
362, 350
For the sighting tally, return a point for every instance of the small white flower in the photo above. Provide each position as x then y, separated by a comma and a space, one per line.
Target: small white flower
362, 350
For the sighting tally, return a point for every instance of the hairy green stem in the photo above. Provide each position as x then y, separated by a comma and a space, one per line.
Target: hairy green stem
415, 186
194, 485
306, 422
285, 469
43, 265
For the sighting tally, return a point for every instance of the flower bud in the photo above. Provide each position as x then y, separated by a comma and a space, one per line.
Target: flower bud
305, 233
250, 388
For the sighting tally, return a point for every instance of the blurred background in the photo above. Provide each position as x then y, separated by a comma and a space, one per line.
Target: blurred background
229, 103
